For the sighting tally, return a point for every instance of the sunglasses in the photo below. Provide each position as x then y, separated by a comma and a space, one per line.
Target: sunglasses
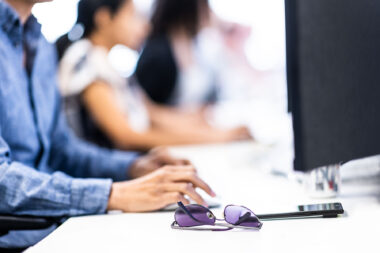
193, 217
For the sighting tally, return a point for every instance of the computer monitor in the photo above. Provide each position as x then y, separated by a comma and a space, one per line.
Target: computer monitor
333, 70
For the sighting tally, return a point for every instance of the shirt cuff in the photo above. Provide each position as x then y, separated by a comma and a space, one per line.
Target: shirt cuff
89, 196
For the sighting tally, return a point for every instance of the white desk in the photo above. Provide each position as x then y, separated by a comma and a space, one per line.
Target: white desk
235, 172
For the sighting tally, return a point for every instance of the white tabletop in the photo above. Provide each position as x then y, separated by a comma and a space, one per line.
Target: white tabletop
239, 174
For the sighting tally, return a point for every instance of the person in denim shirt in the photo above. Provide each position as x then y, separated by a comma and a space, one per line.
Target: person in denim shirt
44, 169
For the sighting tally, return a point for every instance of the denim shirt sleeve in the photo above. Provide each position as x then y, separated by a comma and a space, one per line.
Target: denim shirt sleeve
26, 191
81, 159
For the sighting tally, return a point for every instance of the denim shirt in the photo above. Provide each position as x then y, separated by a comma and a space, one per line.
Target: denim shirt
43, 166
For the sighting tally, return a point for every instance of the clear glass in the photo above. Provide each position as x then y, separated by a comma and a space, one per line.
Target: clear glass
323, 182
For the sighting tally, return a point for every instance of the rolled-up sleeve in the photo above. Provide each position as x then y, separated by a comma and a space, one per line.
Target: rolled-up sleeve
25, 191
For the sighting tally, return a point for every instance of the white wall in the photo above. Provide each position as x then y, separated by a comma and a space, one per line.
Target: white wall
265, 50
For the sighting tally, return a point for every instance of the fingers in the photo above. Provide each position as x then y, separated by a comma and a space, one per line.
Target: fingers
170, 160
180, 168
163, 157
185, 189
242, 133
183, 162
191, 177
184, 174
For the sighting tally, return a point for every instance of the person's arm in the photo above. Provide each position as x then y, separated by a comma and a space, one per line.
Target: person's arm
155, 187
192, 123
25, 191
171, 118
81, 159
99, 101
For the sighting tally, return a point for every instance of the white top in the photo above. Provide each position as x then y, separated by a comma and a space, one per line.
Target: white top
196, 83
84, 64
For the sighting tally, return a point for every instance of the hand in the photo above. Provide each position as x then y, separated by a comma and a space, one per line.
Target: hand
155, 159
238, 133
163, 187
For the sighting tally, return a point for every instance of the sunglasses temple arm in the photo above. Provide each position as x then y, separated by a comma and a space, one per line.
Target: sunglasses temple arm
247, 217
183, 207
243, 218
175, 226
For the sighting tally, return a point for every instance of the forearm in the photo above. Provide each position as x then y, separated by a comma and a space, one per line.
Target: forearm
25, 191
144, 141
172, 118
158, 137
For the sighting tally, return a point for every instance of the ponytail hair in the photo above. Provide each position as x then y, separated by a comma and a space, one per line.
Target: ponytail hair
85, 24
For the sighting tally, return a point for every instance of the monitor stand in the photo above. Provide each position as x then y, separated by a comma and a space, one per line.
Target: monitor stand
323, 182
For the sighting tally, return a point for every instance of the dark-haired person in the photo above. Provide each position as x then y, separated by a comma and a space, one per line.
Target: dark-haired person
107, 109
44, 169
172, 69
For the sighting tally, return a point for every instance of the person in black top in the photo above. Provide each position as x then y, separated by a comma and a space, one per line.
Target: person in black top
157, 69
169, 69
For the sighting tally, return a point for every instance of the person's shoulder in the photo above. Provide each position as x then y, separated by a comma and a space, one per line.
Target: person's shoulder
77, 50
157, 46
157, 53
157, 57
81, 65
76, 57
157, 70
158, 40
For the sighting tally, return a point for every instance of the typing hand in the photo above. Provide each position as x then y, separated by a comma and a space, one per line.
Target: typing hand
156, 190
155, 159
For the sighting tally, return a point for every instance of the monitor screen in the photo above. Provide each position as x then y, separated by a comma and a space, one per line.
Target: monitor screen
333, 65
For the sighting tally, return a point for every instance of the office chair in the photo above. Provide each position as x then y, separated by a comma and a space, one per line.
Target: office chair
10, 223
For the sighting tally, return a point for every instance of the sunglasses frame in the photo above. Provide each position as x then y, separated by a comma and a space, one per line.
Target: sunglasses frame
224, 225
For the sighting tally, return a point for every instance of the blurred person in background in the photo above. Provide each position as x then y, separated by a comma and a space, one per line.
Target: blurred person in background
172, 69
101, 105
225, 43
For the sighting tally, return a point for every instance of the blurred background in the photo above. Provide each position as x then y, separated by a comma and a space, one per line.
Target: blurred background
264, 47
251, 40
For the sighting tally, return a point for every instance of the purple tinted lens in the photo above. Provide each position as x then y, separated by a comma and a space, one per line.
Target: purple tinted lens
202, 215
233, 214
